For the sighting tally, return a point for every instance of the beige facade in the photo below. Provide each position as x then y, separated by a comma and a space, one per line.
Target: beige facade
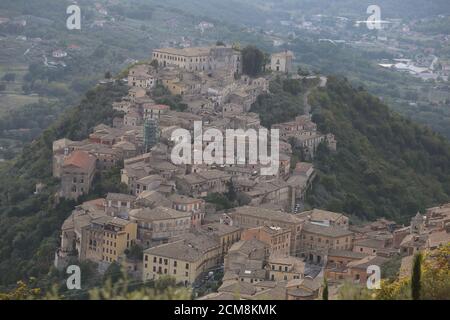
77, 174
317, 239
185, 259
250, 217
199, 58
159, 224
90, 234
285, 268
278, 239
282, 62
118, 235
224, 234
187, 204
140, 76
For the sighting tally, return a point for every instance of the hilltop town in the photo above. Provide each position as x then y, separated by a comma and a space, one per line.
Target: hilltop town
265, 246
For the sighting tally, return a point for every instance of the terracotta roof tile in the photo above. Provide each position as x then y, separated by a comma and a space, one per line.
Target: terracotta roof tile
80, 159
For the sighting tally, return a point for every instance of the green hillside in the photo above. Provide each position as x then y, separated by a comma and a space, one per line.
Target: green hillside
29, 224
385, 165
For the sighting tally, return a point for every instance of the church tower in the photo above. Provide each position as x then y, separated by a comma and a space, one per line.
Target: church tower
417, 223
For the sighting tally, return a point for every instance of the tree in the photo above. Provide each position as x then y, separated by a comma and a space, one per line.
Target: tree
434, 278
266, 61
302, 72
21, 292
231, 193
135, 252
325, 289
108, 75
415, 277
113, 273
154, 63
293, 86
351, 291
10, 77
252, 61
220, 43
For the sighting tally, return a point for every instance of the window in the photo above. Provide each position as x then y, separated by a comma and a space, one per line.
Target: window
187, 265
174, 263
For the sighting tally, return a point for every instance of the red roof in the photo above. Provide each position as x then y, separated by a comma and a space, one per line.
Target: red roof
80, 159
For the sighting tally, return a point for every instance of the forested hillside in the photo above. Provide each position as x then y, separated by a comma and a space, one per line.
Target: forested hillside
29, 224
385, 165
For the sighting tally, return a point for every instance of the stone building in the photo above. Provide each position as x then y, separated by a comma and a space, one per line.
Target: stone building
282, 61
285, 268
277, 239
77, 174
89, 234
185, 259
207, 59
317, 239
187, 204
251, 217
141, 77
159, 224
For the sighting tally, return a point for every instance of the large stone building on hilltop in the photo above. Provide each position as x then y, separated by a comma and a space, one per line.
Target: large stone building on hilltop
200, 58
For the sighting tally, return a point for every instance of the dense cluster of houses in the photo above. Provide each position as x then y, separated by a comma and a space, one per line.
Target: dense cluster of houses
267, 246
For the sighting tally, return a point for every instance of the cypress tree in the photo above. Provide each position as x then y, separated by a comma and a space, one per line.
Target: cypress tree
325, 290
415, 277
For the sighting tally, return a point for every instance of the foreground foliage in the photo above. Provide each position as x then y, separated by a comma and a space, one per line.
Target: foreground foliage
434, 282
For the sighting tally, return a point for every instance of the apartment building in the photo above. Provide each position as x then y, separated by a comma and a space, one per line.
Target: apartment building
159, 224
77, 174
185, 259
251, 217
278, 239
317, 239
